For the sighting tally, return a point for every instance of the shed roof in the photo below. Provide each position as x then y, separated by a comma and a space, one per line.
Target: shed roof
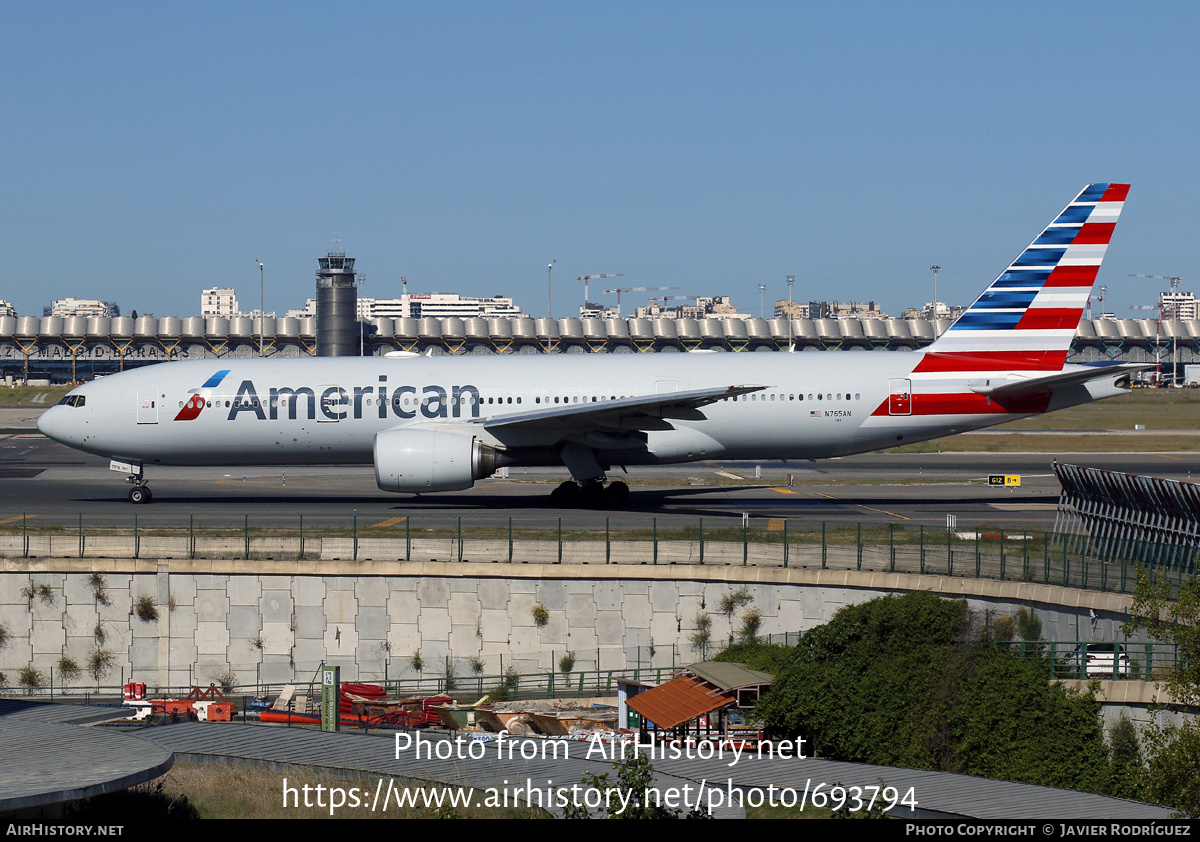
679, 700
729, 676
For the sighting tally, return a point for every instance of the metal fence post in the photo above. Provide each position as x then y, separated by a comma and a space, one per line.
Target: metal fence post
922, 528
81, 534
510, 548
858, 540
654, 524
355, 527
24, 538
192, 537
976, 552
892, 547
607, 543
408, 539
560, 540
302, 538
460, 537
702, 540
823, 555
246, 537
136, 546
785, 543
745, 539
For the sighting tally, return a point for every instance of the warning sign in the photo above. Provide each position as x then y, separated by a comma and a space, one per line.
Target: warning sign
1004, 479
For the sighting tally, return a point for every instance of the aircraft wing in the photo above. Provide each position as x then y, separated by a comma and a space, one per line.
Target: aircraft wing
996, 388
644, 412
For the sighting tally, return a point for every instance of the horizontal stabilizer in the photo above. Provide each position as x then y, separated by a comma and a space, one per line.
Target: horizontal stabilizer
1071, 376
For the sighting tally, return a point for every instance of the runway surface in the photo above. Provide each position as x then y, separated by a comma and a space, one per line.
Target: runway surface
44, 480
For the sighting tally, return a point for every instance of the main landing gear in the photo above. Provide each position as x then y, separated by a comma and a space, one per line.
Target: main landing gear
593, 494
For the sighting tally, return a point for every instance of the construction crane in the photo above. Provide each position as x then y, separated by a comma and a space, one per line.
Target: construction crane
620, 290
1175, 281
586, 300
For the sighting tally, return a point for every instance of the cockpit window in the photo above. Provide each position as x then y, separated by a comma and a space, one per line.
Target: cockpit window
73, 400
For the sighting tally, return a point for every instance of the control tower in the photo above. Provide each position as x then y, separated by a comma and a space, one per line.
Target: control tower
337, 305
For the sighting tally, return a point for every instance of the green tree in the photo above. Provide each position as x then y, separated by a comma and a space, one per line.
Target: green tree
1173, 767
915, 681
1172, 775
1175, 621
1125, 757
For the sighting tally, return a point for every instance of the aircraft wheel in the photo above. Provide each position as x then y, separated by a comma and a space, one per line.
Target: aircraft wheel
566, 496
616, 495
139, 494
592, 495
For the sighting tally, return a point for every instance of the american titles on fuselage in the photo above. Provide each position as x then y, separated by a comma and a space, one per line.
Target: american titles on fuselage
335, 403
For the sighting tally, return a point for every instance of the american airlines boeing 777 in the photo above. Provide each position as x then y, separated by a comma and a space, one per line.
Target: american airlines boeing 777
441, 423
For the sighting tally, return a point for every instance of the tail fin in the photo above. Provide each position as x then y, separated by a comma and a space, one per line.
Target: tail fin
1026, 319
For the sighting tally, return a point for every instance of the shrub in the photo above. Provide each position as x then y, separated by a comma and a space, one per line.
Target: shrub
99, 634
416, 661
99, 588
476, 664
30, 677
146, 608
703, 633
68, 668
541, 615
751, 623
100, 663
43, 592
566, 663
5, 635
226, 679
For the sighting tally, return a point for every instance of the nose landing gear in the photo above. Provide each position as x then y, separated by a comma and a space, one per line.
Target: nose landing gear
139, 492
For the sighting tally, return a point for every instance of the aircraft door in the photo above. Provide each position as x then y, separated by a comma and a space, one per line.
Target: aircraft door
900, 397
333, 404
147, 405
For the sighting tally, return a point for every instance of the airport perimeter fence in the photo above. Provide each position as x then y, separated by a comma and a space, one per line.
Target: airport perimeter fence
1064, 659
979, 552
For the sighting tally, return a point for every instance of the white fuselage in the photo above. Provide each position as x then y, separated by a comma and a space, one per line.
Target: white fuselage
328, 410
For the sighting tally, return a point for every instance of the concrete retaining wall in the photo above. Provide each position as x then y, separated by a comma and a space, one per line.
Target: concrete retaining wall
278, 620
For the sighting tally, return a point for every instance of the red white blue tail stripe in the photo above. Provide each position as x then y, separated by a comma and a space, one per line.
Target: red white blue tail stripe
1018, 332
1026, 319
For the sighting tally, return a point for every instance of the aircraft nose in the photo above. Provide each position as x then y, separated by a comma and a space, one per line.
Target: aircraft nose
45, 423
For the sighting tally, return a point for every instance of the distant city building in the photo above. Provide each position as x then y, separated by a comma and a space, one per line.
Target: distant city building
7, 309
705, 307
599, 311
81, 307
790, 310
441, 305
438, 305
931, 311
828, 310
1177, 305
219, 302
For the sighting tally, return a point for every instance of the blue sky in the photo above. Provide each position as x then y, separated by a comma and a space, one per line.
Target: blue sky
152, 150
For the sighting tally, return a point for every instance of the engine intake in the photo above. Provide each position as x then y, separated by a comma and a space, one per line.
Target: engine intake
416, 461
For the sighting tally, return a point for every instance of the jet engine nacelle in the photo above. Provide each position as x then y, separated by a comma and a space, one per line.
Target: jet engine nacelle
416, 461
